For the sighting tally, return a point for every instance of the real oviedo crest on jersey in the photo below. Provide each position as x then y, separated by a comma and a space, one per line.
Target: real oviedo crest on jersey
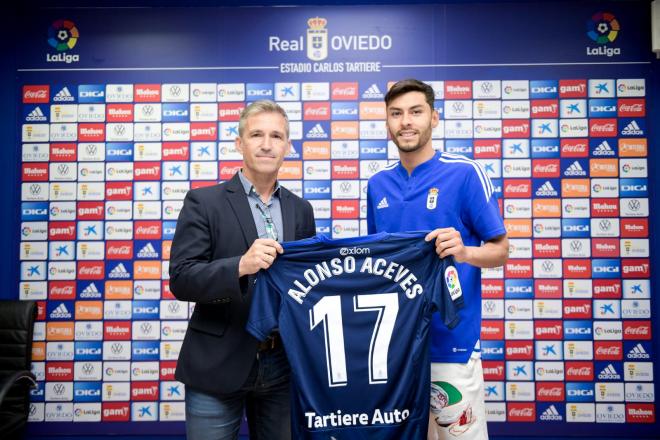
432, 198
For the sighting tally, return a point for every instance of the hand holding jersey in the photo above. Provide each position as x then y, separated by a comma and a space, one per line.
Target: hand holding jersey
448, 241
260, 255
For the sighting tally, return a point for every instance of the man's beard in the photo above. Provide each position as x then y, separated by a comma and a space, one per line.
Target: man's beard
423, 138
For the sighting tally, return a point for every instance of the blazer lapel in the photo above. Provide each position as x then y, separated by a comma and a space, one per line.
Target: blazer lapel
239, 203
288, 215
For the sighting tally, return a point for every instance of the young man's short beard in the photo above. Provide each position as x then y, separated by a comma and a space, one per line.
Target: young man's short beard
409, 148
423, 140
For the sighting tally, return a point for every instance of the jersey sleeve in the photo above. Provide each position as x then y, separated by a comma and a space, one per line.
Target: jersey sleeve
265, 308
481, 208
448, 298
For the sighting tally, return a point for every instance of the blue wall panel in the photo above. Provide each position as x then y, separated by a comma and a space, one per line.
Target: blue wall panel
488, 62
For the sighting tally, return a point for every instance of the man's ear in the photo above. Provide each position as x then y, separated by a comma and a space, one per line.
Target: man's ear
239, 144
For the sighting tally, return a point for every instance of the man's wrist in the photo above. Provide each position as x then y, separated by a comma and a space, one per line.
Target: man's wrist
241, 271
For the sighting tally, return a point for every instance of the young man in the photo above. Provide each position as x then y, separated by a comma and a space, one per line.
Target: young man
451, 196
225, 234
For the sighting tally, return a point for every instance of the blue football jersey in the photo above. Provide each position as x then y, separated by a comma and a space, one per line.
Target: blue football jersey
447, 190
354, 316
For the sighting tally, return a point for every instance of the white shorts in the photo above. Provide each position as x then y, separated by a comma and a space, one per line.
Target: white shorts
457, 402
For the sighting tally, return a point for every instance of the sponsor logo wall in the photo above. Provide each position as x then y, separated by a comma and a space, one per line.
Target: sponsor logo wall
106, 164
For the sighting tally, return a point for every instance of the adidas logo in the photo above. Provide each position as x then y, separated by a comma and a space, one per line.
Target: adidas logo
119, 272
90, 292
575, 170
36, 115
603, 149
317, 132
148, 251
373, 92
638, 352
632, 129
60, 312
551, 413
63, 96
547, 190
609, 372
383, 203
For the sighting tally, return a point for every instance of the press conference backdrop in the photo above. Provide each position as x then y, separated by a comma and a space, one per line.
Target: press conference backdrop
123, 111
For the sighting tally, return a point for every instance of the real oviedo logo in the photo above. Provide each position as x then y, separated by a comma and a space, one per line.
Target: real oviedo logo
318, 44
62, 36
603, 28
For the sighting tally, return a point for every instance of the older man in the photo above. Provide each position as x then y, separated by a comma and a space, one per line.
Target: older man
225, 234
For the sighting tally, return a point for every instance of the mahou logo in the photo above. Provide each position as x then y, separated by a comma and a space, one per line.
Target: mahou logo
147, 93
518, 269
492, 288
59, 371
640, 413
548, 288
492, 330
117, 331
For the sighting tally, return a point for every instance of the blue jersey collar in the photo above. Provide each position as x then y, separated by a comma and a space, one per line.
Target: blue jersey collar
421, 168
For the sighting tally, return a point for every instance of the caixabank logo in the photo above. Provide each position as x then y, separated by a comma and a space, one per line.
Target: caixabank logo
62, 37
603, 29
318, 43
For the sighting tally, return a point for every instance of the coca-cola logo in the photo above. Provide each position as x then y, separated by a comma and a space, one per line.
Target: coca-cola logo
35, 94
521, 412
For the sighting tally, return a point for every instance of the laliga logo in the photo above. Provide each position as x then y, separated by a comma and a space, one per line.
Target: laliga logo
62, 36
603, 28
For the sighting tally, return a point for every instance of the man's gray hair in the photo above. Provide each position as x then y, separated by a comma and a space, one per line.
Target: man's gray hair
263, 106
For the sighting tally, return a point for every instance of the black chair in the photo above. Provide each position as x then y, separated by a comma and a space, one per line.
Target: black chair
16, 329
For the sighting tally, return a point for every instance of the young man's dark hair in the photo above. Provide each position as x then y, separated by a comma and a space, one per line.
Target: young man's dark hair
410, 85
